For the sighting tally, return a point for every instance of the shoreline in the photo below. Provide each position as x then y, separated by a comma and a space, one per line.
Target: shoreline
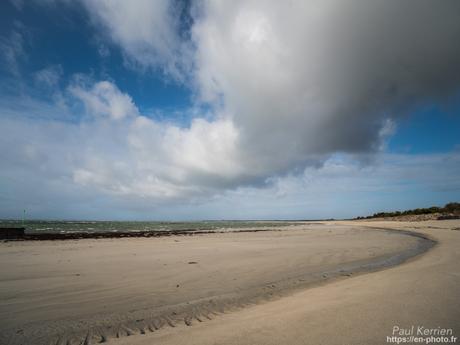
47, 236
78, 235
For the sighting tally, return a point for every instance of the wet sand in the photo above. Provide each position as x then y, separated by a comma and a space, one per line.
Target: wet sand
152, 289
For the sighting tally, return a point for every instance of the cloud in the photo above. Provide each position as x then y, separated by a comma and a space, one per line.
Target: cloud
105, 99
299, 81
310, 78
147, 31
18, 4
49, 76
343, 187
12, 49
111, 169
134, 158
118, 151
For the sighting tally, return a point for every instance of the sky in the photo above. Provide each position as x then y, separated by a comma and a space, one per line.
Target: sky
191, 110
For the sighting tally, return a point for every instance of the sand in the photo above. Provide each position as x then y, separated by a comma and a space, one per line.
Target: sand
423, 292
296, 286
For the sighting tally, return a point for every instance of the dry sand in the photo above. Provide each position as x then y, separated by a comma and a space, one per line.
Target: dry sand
247, 288
424, 291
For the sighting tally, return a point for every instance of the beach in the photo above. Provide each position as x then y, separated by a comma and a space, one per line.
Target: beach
320, 283
179, 172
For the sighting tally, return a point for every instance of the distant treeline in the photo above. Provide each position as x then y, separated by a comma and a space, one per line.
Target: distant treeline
450, 208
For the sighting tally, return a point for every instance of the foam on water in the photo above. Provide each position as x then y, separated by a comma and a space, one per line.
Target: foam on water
41, 226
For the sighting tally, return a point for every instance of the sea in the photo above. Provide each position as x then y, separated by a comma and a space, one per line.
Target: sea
52, 226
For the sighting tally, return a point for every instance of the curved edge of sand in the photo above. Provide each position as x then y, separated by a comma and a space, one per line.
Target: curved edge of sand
422, 291
207, 309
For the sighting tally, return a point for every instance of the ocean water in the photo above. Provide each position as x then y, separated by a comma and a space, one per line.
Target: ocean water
35, 226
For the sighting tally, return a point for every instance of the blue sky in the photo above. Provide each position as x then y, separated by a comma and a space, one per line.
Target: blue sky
428, 130
62, 35
243, 110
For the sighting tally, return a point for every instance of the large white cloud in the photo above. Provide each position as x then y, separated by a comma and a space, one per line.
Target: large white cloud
124, 152
299, 80
113, 148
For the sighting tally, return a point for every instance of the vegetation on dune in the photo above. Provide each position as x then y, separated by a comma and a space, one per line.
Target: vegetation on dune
452, 208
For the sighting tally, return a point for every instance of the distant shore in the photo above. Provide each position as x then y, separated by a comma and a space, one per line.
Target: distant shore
448, 211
